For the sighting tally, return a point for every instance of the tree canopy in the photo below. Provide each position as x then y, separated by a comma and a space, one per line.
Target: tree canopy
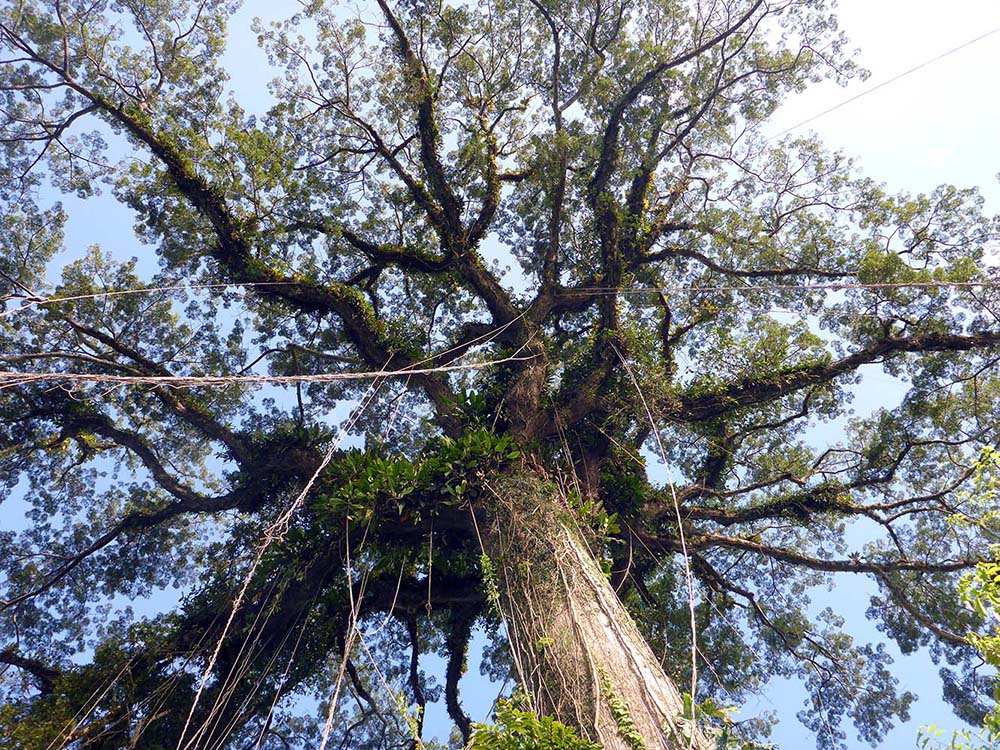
525, 238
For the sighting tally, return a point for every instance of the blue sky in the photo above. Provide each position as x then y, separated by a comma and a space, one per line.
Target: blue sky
938, 124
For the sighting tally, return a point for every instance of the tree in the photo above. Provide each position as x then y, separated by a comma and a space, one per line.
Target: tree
685, 291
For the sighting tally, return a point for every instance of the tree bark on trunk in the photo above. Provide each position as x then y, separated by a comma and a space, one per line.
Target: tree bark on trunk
579, 656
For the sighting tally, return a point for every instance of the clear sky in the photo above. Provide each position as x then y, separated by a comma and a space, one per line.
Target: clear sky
938, 124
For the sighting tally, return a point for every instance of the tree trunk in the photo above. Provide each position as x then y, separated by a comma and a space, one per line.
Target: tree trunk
579, 655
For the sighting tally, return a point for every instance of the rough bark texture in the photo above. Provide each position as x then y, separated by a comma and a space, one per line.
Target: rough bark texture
578, 653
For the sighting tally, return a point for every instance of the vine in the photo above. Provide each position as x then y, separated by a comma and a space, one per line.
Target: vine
627, 729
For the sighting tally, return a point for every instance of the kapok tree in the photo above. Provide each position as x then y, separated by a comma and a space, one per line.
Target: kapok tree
600, 335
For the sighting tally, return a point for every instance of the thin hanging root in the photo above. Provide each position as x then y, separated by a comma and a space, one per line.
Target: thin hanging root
680, 532
275, 532
594, 668
223, 731
242, 663
288, 668
518, 666
241, 666
352, 629
64, 737
355, 637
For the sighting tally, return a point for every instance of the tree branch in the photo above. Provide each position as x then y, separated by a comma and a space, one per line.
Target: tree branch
900, 597
752, 391
608, 159
457, 642
44, 675
702, 540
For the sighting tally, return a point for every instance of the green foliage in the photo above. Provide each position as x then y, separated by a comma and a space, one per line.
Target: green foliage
360, 483
978, 590
624, 485
982, 501
627, 729
517, 729
475, 408
412, 719
716, 723
932, 737
490, 587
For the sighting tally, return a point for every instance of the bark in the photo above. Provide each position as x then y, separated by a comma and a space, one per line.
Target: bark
579, 656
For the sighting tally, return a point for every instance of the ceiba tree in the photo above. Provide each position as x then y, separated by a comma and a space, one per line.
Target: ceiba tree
630, 460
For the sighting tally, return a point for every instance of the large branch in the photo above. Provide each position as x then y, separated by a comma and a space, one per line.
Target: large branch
908, 606
704, 570
608, 160
417, 190
233, 248
458, 245
179, 403
457, 642
135, 521
679, 251
407, 258
752, 391
550, 274
607, 216
44, 675
233, 251
642, 179
258, 477
827, 498
561, 300
701, 541
491, 193
426, 126
101, 424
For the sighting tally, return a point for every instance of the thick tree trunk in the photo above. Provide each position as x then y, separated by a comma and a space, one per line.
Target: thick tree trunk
579, 655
